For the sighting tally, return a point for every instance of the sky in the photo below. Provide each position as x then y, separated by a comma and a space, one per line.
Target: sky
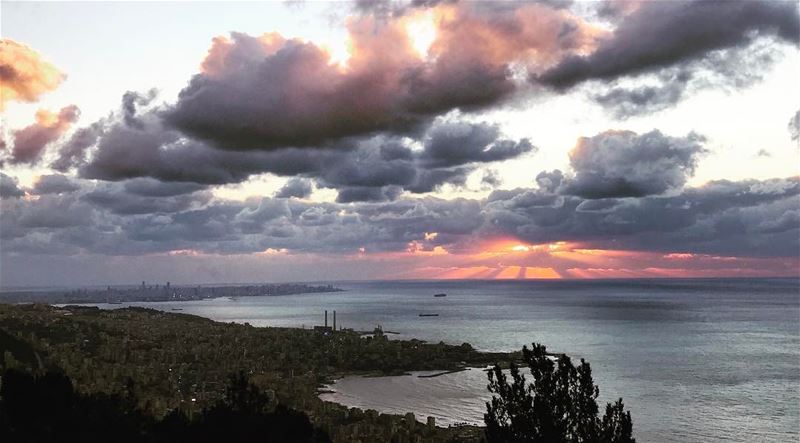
203, 142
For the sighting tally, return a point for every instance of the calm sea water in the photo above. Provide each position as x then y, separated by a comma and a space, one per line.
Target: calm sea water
694, 360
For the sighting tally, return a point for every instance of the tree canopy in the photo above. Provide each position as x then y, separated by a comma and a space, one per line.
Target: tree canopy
559, 405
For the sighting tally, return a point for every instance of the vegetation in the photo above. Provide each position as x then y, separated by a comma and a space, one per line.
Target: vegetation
558, 406
46, 408
138, 374
181, 362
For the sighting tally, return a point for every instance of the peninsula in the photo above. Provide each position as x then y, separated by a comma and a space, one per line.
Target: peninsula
179, 362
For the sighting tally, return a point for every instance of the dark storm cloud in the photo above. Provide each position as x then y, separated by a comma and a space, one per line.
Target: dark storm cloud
31, 141
118, 199
431, 179
53, 212
55, 184
9, 188
660, 34
374, 168
625, 164
459, 143
368, 194
124, 152
148, 187
295, 187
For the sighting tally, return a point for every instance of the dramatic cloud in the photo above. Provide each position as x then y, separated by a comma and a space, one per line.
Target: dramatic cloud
30, 142
130, 101
267, 92
746, 218
458, 143
378, 168
124, 199
660, 34
9, 188
72, 153
727, 69
396, 124
54, 184
24, 76
722, 217
625, 102
625, 164
295, 187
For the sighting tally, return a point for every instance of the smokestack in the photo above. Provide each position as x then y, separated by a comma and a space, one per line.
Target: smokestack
326, 318
334, 320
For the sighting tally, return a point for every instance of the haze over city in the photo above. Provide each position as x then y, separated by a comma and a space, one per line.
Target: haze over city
311, 141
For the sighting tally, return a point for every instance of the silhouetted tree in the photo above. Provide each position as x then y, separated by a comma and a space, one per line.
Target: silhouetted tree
243, 417
46, 408
560, 405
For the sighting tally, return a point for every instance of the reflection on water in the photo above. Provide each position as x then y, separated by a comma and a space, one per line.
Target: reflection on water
695, 360
451, 398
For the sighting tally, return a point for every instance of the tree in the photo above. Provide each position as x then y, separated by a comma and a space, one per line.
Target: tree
560, 405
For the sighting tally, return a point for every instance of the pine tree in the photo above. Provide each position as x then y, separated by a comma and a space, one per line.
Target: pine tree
559, 405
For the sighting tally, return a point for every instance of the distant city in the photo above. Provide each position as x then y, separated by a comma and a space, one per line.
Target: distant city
160, 292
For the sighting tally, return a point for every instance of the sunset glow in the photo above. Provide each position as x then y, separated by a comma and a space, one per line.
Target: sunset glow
422, 32
399, 139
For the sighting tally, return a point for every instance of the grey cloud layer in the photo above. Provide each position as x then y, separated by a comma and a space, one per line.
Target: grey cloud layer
372, 169
747, 218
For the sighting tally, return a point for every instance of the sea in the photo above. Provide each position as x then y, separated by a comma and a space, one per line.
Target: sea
694, 360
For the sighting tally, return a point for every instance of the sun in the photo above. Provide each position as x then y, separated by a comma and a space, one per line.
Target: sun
421, 30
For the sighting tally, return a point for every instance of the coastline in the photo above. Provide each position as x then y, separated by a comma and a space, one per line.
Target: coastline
101, 348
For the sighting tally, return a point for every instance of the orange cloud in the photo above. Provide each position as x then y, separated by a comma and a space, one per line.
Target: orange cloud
24, 75
31, 141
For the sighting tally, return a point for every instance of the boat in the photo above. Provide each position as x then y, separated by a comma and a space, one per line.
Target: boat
429, 315
177, 309
440, 295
